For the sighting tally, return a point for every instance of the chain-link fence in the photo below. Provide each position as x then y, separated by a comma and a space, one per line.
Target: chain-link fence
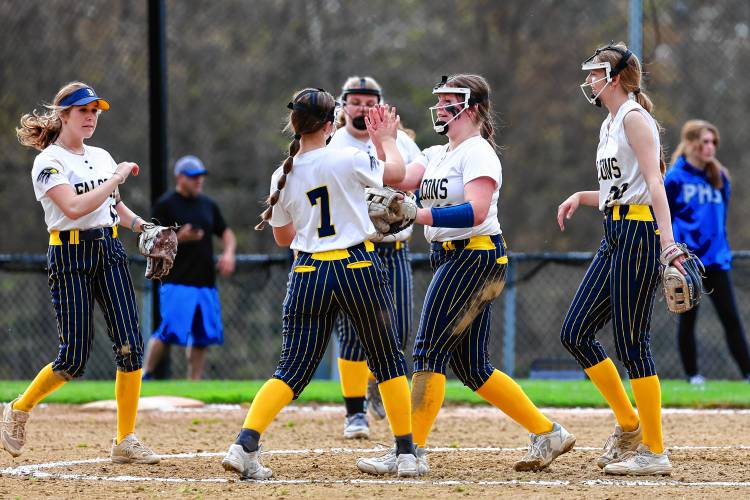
526, 320
232, 66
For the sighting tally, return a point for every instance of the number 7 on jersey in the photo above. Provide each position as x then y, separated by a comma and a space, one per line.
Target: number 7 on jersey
321, 193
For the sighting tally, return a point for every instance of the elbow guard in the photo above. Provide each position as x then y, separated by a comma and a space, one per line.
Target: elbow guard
456, 216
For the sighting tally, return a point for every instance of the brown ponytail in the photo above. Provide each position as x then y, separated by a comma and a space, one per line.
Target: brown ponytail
39, 130
310, 109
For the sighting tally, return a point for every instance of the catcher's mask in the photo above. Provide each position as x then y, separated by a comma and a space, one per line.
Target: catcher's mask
313, 108
589, 64
359, 121
440, 126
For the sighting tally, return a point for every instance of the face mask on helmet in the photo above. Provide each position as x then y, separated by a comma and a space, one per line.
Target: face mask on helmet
358, 122
455, 109
589, 64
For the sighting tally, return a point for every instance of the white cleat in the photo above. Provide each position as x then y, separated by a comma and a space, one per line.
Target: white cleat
13, 433
544, 448
405, 465
375, 406
642, 462
356, 426
247, 465
132, 451
618, 445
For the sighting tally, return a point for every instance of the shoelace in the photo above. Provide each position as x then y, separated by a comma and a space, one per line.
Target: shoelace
611, 440
535, 448
136, 447
18, 430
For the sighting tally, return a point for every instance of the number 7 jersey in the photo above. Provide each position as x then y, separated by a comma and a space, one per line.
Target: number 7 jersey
620, 178
324, 198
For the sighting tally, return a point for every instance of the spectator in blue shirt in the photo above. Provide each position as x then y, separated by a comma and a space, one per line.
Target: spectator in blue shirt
698, 189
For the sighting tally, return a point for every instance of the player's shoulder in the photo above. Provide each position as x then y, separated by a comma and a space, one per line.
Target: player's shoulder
51, 152
478, 147
49, 157
341, 138
434, 150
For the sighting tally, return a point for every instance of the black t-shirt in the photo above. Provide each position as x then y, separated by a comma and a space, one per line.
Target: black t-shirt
194, 264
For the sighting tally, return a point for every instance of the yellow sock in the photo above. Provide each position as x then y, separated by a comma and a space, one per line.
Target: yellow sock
647, 393
427, 395
605, 377
353, 376
45, 383
127, 393
271, 398
397, 403
504, 393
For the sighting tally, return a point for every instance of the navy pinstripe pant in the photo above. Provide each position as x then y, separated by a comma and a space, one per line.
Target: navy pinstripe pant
79, 274
455, 323
397, 263
318, 290
619, 285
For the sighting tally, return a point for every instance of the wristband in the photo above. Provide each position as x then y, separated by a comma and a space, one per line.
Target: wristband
121, 177
455, 216
134, 222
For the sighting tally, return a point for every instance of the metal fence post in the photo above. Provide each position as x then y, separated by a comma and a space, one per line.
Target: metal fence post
635, 27
509, 320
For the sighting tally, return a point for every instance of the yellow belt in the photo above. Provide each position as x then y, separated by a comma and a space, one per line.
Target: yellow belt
339, 254
635, 212
74, 237
482, 242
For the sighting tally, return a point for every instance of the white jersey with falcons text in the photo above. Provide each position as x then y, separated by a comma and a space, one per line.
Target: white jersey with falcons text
406, 146
55, 166
620, 179
324, 198
446, 173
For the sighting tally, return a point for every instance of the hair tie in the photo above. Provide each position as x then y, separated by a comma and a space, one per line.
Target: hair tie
636, 91
297, 137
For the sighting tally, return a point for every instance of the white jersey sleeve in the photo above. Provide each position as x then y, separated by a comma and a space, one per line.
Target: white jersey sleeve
279, 216
47, 173
369, 170
481, 161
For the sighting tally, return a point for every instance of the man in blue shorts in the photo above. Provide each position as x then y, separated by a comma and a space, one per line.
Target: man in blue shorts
189, 302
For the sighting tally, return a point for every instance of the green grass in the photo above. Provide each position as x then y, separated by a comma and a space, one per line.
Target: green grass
675, 393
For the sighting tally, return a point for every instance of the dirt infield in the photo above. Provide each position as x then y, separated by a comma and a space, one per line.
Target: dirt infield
475, 450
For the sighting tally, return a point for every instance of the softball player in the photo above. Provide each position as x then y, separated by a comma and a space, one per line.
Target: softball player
622, 279
77, 186
359, 94
459, 185
317, 207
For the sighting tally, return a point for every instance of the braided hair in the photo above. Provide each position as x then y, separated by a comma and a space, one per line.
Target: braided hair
310, 110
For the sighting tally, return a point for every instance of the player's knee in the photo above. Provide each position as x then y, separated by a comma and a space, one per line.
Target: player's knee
474, 377
129, 357
569, 340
